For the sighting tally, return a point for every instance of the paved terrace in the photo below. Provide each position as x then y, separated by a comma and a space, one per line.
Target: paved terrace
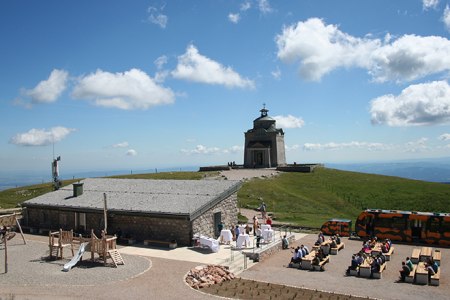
158, 274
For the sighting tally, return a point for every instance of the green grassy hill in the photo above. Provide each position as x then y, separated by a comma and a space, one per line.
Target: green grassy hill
305, 199
309, 199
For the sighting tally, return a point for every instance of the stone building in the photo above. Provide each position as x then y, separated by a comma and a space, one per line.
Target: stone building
140, 209
264, 143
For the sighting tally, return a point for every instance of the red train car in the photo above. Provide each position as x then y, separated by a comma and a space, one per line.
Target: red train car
405, 226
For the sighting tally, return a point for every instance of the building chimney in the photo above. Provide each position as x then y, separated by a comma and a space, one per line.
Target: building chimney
77, 189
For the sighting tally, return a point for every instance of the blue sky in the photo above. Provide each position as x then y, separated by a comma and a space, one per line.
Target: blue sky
153, 84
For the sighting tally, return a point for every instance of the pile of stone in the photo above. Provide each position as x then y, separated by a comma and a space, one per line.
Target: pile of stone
204, 276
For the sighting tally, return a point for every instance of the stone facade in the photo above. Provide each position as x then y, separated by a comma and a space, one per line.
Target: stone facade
264, 144
139, 227
229, 216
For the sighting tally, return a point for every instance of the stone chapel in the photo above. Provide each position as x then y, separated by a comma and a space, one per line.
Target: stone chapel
264, 143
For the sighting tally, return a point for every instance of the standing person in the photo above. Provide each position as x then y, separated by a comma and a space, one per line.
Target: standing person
258, 236
263, 210
255, 224
236, 231
269, 221
220, 227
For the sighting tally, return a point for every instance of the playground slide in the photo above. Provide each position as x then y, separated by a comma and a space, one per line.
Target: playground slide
76, 258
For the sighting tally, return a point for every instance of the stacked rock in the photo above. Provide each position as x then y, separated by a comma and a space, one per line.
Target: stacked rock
204, 276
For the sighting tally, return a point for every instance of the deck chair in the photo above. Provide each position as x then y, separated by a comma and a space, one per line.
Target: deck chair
59, 240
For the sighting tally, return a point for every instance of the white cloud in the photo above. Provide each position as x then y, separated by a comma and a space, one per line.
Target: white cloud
41, 137
245, 6
132, 89
421, 104
276, 74
289, 121
446, 18
234, 149
444, 137
419, 145
195, 67
427, 4
234, 18
161, 61
264, 6
292, 148
350, 145
121, 145
49, 90
131, 152
321, 48
155, 16
200, 149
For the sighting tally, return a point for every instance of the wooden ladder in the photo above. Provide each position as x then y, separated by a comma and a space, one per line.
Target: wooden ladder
116, 257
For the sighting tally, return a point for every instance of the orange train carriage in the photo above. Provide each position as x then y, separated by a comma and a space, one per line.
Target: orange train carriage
342, 227
405, 226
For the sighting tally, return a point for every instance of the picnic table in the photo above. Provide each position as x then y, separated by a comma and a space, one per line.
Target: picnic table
421, 273
425, 253
364, 268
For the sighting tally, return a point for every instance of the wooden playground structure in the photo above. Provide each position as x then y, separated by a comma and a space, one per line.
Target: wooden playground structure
7, 223
104, 247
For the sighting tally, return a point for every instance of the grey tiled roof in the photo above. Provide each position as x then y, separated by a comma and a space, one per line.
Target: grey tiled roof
140, 195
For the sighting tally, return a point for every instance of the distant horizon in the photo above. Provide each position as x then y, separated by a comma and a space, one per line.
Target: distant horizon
17, 178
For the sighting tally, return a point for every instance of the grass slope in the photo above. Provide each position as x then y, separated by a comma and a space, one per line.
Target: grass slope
304, 199
309, 199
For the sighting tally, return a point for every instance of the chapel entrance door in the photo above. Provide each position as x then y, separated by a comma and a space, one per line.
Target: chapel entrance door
217, 221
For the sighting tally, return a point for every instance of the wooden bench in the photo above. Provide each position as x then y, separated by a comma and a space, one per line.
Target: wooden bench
415, 256
334, 251
437, 256
307, 261
410, 278
294, 265
377, 275
434, 280
354, 272
157, 243
320, 266
388, 255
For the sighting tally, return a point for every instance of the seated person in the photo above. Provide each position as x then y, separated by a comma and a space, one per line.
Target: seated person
306, 249
333, 243
375, 266
434, 265
354, 264
320, 254
296, 258
409, 263
284, 242
316, 260
404, 271
366, 248
385, 248
338, 239
430, 271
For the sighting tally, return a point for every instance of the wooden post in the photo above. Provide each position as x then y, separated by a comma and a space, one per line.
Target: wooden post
5, 240
20, 228
105, 213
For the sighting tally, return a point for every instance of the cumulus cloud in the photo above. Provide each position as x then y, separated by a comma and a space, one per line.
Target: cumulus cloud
350, 145
131, 152
427, 4
132, 89
444, 137
41, 137
245, 6
161, 61
195, 67
234, 18
419, 145
156, 16
321, 48
292, 148
420, 104
264, 6
234, 149
49, 90
446, 18
121, 145
289, 121
200, 149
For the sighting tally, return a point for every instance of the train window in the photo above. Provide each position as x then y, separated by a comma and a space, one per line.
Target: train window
434, 225
445, 226
398, 223
383, 222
